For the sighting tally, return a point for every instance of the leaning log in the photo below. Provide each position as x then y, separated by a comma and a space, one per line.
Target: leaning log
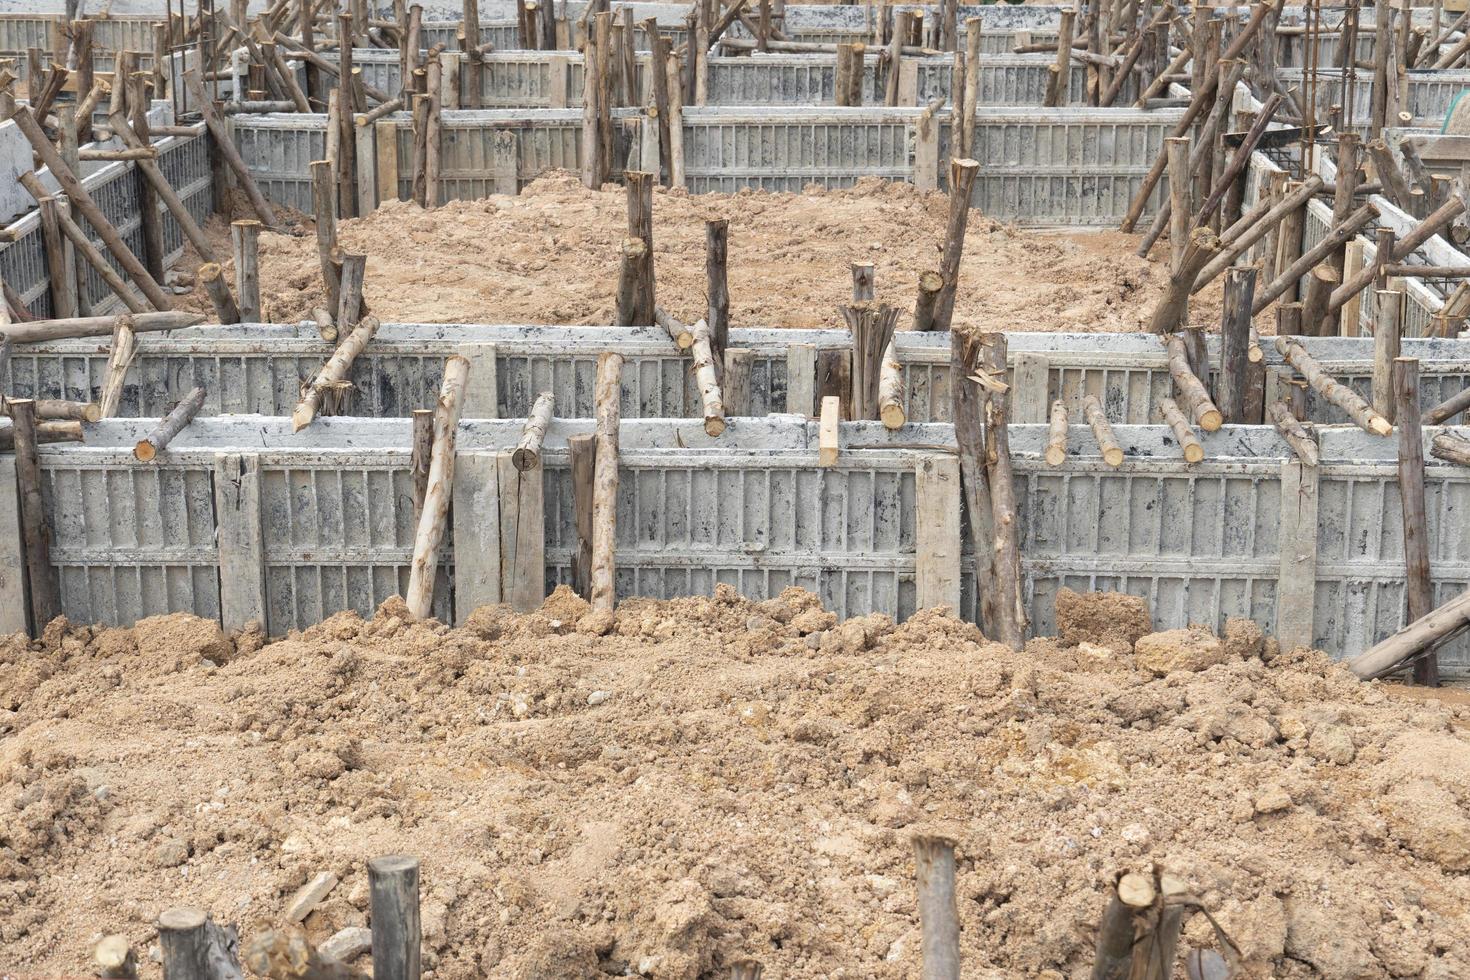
430, 531
1327, 386
156, 441
1418, 637
709, 386
1451, 448
527, 454
45, 589
1295, 434
1449, 408
1102, 431
336, 369
890, 390
1056, 434
1170, 311
1189, 443
1202, 410
212, 277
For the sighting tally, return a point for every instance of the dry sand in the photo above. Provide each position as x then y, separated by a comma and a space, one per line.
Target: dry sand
716, 779
550, 254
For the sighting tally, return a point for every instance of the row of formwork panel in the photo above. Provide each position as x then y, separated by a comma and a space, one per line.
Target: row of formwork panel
1041, 166
259, 369
242, 521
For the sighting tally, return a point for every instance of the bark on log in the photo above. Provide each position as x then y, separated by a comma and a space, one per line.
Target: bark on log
1102, 431
430, 532
1414, 639
1189, 443
1447, 409
709, 385
1320, 283
58, 260
324, 206
583, 452
148, 448
1196, 398
630, 269
226, 147
44, 586
890, 389
930, 284
1419, 587
1172, 307
1451, 448
245, 246
679, 333
1295, 434
40, 331
1387, 326
338, 366
1343, 397
213, 279
608, 398
872, 333
393, 884
962, 174
1235, 327
1056, 434
351, 274
717, 285
938, 915
527, 454
1010, 623
59, 409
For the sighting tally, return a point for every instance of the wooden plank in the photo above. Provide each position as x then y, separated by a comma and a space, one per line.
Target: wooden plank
1296, 586
12, 554
1350, 319
937, 541
476, 511
368, 188
801, 379
386, 131
242, 593
522, 535
827, 440
1030, 378
482, 397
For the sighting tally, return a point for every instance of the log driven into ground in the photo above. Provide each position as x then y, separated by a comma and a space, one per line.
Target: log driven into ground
338, 366
1172, 307
1295, 434
939, 923
1189, 443
1056, 434
1415, 639
930, 284
717, 286
1418, 586
44, 587
527, 454
430, 532
607, 398
213, 279
1196, 398
1325, 385
962, 174
1120, 933
245, 247
583, 452
1387, 329
169, 426
1008, 605
872, 332
890, 390
1447, 409
1102, 431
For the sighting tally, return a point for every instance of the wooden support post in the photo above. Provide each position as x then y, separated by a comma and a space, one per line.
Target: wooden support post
872, 331
527, 454
45, 590
212, 277
182, 937
583, 452
939, 920
422, 452
890, 390
1235, 327
829, 431
717, 286
1418, 584
1295, 434
324, 206
608, 400
735, 382
430, 532
157, 440
1173, 307
1180, 207
393, 883
863, 289
226, 147
337, 368
60, 265
1056, 434
967, 413
962, 175
1343, 397
83, 245
1102, 431
706, 374
974, 37
1318, 293
630, 268
593, 172
659, 70
640, 226
930, 285
245, 244
1059, 82
1010, 614
1189, 444
1387, 325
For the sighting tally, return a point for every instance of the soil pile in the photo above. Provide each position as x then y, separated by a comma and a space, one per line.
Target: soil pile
697, 781
550, 255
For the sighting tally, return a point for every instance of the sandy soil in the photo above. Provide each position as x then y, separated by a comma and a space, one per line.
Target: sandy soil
698, 781
549, 255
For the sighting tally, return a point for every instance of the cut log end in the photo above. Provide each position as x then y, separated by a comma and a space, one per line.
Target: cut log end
301, 418
92, 413
1210, 420
1193, 453
714, 426
1055, 455
525, 459
1113, 456
893, 417
1380, 426
1136, 890
144, 451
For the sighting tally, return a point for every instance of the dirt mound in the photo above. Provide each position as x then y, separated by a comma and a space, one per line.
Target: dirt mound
550, 255
716, 779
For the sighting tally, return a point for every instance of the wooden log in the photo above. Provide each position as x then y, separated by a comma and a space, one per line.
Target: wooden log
1325, 385
1419, 636
640, 225
930, 284
1387, 324
1056, 434
59, 262
593, 173
1059, 80
890, 390
336, 369
226, 147
157, 440
828, 431
735, 382
83, 245
1451, 448
863, 287
324, 207
44, 587
420, 455
1389, 174
393, 883
1102, 431
1235, 330
1403, 271
1249, 236
1447, 409
1192, 391
114, 959
286, 954
871, 329
430, 532
659, 71
939, 921
119, 359
583, 452
1181, 180
1008, 603
294, 91
348, 108
630, 267
717, 285
893, 57
679, 333
974, 37
962, 175
245, 246
1120, 934
1320, 283
1189, 443
1418, 585
967, 413
182, 937
350, 276
608, 401
38, 331
706, 376
1331, 243
527, 454
213, 279
1169, 313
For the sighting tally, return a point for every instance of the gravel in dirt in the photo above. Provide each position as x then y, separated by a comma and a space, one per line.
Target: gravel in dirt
550, 255
687, 783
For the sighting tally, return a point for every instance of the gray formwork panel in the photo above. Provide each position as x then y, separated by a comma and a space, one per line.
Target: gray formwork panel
1429, 94
110, 34
754, 510
114, 186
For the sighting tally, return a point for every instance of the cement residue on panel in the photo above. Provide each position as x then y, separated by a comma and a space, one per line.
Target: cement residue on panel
550, 255
696, 781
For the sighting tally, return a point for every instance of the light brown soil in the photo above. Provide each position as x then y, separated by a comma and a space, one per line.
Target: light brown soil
550, 254
716, 779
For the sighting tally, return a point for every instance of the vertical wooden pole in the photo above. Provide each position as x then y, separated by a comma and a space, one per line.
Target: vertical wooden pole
717, 286
1059, 84
324, 205
1235, 339
583, 451
1386, 345
1418, 584
347, 150
1180, 207
592, 172
393, 882
608, 397
658, 67
939, 920
183, 939
423, 449
45, 590
1010, 624
430, 531
967, 413
962, 175
245, 241
640, 225
735, 382
60, 262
